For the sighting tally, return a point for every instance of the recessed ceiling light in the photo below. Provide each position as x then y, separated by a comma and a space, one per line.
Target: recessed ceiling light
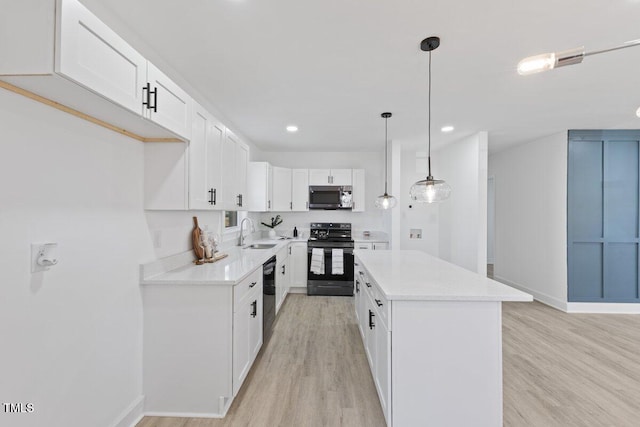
292, 128
447, 128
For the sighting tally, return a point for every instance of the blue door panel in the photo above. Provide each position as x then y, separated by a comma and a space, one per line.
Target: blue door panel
603, 216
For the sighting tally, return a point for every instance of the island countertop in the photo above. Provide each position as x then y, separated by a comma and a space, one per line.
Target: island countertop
415, 275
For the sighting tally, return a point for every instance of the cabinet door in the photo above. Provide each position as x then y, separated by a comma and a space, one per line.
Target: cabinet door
215, 139
341, 177
241, 348
371, 322
382, 374
319, 176
358, 191
282, 284
281, 189
260, 189
255, 325
299, 190
199, 196
91, 54
241, 166
298, 264
169, 105
228, 188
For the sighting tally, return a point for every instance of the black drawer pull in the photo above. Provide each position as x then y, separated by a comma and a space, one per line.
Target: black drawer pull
368, 284
253, 284
371, 316
254, 304
379, 303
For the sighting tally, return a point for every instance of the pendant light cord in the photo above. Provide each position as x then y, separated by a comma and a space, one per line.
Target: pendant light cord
386, 150
429, 119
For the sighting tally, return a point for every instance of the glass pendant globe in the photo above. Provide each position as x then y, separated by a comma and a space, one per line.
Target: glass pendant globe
430, 191
385, 201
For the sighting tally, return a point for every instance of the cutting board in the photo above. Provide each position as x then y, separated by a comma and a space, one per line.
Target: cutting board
195, 238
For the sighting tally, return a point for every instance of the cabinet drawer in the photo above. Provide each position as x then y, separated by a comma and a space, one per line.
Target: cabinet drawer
243, 288
383, 306
363, 245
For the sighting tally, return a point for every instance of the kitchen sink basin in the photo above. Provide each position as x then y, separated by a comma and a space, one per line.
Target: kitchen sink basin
260, 246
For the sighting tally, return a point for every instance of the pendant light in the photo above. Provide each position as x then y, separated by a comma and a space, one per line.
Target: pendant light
430, 190
385, 201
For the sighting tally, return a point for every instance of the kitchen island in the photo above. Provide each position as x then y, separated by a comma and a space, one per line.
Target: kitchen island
432, 332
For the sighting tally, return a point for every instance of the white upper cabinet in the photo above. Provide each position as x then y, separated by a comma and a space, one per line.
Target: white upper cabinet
341, 177
260, 191
62, 52
358, 191
319, 176
165, 103
329, 176
235, 160
205, 147
281, 189
90, 53
299, 190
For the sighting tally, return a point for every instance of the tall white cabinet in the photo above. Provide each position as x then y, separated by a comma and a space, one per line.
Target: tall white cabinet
281, 189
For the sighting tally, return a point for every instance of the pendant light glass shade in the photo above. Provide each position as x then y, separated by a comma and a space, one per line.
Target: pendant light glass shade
385, 201
429, 190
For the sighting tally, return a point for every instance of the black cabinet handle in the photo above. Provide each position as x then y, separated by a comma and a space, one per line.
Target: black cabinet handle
368, 284
289, 250
357, 286
240, 200
155, 99
146, 90
269, 204
379, 303
371, 316
215, 196
254, 304
291, 205
356, 264
283, 269
146, 94
211, 202
252, 284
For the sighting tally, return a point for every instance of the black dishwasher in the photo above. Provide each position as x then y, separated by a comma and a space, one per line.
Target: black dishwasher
268, 297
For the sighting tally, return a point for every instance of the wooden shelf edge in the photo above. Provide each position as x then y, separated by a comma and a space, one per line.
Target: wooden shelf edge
81, 115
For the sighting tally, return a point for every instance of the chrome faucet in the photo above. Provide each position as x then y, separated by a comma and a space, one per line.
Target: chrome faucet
253, 229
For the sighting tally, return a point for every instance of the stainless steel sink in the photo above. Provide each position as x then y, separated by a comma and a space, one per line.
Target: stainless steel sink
260, 246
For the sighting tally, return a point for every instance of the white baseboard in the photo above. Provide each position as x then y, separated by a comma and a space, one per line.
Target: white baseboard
298, 290
603, 307
183, 414
132, 415
538, 296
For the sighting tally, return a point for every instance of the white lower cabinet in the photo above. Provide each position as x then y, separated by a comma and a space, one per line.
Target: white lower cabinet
247, 334
298, 264
200, 342
372, 311
282, 276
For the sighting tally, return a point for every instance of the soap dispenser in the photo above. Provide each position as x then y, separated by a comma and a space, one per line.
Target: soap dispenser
295, 232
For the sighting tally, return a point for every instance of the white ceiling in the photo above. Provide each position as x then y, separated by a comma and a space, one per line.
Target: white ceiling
332, 66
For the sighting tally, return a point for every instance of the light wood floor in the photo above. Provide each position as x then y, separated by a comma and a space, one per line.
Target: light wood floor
559, 370
312, 372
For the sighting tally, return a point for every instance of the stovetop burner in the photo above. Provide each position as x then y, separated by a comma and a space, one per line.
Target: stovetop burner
330, 232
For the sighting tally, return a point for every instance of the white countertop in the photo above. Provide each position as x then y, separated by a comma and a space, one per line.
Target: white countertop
415, 275
228, 271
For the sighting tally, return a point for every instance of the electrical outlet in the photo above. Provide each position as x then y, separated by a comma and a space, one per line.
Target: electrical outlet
415, 233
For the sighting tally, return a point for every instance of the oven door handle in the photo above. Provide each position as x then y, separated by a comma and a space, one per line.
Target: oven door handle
346, 251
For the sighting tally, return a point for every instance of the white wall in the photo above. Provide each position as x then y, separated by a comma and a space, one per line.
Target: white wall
373, 162
71, 336
463, 218
531, 217
454, 230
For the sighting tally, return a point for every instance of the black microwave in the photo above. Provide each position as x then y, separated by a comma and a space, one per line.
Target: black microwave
330, 197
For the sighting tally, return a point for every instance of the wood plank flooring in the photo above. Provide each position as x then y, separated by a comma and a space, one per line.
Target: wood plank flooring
559, 370
312, 372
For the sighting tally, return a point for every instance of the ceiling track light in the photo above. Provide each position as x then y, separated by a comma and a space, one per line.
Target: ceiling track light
430, 190
549, 61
